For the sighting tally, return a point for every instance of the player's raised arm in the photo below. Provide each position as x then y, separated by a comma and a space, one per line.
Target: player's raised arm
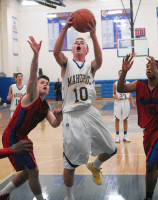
97, 62
121, 86
32, 91
59, 56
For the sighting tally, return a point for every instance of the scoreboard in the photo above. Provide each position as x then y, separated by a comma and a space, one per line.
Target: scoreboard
139, 32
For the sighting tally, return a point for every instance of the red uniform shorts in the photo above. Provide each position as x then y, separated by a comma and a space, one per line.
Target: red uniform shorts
18, 161
151, 145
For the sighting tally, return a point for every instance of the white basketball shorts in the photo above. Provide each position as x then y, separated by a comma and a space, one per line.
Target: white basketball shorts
121, 109
85, 133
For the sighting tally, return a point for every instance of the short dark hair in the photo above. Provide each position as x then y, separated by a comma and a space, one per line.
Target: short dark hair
43, 76
18, 74
119, 71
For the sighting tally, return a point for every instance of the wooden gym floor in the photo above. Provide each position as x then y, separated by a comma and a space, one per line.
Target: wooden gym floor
124, 173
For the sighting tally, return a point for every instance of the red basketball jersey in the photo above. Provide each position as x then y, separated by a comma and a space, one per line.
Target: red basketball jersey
147, 106
26, 119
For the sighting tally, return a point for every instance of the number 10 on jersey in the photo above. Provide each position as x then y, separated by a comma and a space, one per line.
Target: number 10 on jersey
81, 94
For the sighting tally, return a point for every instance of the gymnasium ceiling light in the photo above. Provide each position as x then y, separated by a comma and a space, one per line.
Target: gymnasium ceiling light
28, 3
49, 3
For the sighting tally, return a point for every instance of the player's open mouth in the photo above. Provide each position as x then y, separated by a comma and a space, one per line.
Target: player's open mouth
78, 48
149, 72
44, 88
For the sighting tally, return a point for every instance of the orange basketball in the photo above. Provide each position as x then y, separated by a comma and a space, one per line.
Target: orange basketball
80, 19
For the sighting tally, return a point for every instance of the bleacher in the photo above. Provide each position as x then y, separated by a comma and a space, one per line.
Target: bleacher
107, 88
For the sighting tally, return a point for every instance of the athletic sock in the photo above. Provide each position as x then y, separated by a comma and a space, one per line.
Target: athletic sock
149, 195
117, 132
8, 188
69, 193
39, 197
97, 163
125, 132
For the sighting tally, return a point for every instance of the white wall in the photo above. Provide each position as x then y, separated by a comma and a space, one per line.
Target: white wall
14, 61
3, 36
32, 21
9, 63
1, 57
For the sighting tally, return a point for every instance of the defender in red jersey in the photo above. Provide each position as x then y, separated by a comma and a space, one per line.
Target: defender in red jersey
147, 108
16, 149
31, 110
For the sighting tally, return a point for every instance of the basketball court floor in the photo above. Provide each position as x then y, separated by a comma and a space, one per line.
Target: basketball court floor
123, 174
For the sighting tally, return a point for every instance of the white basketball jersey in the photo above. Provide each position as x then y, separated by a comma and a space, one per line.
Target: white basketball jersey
17, 94
77, 86
122, 96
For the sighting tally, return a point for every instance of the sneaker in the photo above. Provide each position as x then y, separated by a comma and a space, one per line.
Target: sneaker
126, 139
95, 172
4, 196
117, 140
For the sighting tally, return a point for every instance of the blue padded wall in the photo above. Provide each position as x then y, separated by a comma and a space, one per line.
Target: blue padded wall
51, 94
107, 87
5, 83
107, 90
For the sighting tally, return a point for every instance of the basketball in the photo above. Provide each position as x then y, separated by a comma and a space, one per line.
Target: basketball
80, 19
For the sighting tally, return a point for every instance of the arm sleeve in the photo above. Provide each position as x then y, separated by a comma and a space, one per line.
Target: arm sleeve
6, 152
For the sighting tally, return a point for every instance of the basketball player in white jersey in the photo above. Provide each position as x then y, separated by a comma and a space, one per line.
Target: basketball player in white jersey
16, 91
84, 131
122, 110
